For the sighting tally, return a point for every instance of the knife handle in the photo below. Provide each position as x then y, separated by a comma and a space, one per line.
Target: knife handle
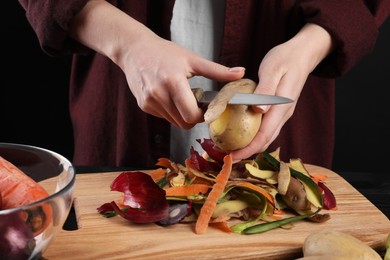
199, 94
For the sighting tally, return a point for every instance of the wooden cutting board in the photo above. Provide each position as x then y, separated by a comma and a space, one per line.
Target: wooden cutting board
116, 238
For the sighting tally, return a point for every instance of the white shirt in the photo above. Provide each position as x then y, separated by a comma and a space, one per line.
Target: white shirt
196, 25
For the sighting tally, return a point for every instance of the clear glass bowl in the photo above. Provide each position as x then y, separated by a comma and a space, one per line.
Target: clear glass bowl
27, 231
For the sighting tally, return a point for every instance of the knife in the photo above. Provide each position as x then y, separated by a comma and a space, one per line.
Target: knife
245, 99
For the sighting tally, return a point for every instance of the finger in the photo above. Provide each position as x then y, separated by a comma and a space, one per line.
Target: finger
162, 113
216, 71
270, 128
168, 112
269, 80
184, 104
176, 115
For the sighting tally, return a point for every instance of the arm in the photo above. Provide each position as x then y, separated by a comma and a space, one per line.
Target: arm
336, 35
156, 69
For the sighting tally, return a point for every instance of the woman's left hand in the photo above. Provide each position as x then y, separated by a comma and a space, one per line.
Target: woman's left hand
283, 72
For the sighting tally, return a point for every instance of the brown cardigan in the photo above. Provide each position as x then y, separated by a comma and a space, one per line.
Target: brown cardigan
110, 129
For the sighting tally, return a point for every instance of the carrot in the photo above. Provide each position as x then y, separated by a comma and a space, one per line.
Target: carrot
221, 225
211, 201
187, 190
18, 189
164, 162
279, 212
318, 177
157, 174
258, 189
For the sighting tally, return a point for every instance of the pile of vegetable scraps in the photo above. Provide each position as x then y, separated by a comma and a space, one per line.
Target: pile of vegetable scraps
248, 197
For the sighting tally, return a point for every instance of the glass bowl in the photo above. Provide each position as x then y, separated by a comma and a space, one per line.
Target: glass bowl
27, 231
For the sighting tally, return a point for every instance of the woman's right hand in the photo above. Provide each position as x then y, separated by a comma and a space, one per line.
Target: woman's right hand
157, 70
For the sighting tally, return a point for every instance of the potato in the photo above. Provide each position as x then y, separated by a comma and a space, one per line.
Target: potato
295, 196
327, 257
232, 127
336, 245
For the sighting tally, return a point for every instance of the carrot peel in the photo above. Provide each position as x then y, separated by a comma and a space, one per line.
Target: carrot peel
187, 190
211, 201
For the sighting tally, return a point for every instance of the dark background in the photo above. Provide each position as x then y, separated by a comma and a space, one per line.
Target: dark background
34, 99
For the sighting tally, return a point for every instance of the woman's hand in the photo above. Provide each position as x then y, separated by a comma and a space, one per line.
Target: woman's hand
156, 70
283, 72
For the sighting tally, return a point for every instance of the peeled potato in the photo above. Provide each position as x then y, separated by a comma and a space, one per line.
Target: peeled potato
329, 244
232, 127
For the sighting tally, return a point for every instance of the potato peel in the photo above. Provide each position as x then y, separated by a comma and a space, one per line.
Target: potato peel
218, 105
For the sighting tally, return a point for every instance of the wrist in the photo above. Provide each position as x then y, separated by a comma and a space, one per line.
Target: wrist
316, 41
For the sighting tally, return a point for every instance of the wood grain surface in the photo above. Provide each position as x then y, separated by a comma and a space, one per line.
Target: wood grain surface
116, 238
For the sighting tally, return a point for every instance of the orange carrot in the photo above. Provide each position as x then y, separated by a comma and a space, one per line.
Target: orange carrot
211, 201
221, 225
18, 189
157, 174
318, 177
164, 162
187, 190
276, 217
279, 212
258, 189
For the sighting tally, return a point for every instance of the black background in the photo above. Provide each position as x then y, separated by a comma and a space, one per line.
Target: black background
34, 99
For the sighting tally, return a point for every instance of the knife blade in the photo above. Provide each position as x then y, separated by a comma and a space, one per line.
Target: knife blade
246, 99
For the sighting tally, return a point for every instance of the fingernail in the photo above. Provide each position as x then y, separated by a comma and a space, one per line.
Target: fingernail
263, 108
236, 69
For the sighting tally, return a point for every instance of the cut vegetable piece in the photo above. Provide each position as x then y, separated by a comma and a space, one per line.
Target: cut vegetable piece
187, 190
267, 161
251, 187
295, 196
228, 207
177, 212
256, 172
328, 196
164, 162
144, 199
298, 165
263, 227
276, 153
218, 105
208, 145
157, 174
313, 193
211, 201
284, 177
